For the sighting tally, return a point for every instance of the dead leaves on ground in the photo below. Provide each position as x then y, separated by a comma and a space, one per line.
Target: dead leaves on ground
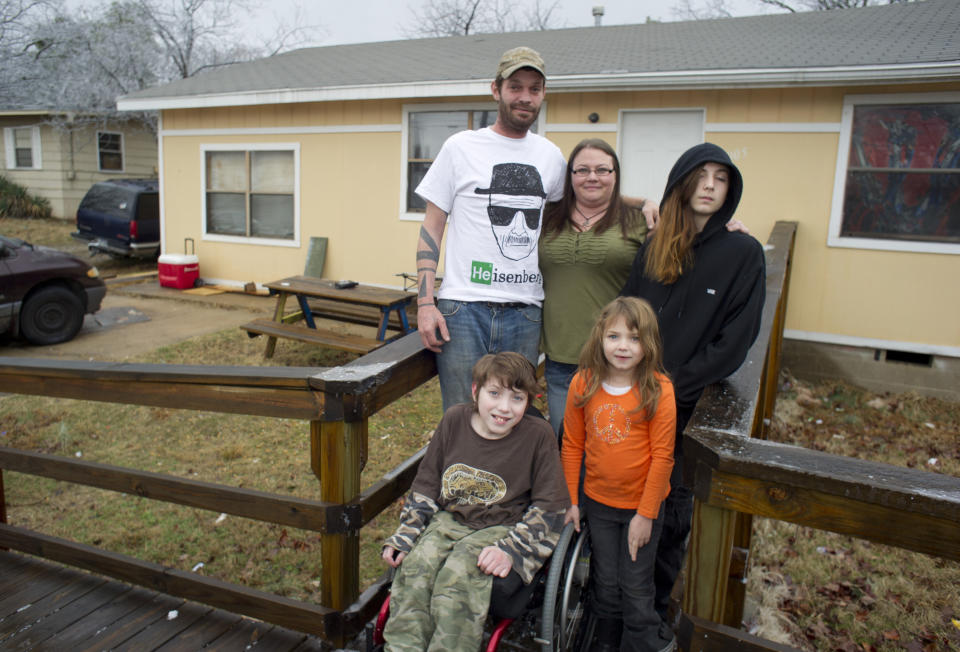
843, 590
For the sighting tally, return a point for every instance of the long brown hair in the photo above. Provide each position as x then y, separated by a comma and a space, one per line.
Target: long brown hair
669, 249
594, 366
558, 215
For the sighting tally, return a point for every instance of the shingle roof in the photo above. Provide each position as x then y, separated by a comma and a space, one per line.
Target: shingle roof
918, 34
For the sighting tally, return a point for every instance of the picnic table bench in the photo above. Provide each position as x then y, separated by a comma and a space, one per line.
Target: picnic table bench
384, 308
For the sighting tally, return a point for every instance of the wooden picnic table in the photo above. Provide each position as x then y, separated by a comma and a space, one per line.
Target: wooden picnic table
306, 288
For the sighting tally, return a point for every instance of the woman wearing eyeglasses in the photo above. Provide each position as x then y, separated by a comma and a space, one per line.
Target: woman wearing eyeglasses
587, 245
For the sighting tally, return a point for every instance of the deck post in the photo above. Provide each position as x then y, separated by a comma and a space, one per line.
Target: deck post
335, 448
766, 403
739, 567
708, 561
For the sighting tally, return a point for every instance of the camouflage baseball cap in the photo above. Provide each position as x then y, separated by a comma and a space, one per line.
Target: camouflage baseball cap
517, 58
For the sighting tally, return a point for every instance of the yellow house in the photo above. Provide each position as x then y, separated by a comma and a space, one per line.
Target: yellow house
846, 121
59, 156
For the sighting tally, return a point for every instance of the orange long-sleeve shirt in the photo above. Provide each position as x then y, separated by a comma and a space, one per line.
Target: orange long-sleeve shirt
628, 459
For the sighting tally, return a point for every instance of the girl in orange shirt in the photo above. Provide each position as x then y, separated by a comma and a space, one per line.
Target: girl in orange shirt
620, 422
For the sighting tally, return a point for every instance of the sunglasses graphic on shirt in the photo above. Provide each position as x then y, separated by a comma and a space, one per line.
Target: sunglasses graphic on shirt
503, 215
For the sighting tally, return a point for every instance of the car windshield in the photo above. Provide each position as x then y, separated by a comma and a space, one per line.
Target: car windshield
114, 201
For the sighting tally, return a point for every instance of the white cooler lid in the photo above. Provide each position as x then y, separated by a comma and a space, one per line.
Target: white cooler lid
178, 259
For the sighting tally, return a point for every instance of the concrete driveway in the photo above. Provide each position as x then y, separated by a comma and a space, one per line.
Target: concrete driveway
138, 317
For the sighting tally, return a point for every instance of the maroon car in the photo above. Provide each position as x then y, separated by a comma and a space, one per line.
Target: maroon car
44, 293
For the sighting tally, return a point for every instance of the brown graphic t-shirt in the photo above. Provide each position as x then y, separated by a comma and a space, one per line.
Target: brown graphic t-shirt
484, 482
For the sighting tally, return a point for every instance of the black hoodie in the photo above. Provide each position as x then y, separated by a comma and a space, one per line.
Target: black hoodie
710, 316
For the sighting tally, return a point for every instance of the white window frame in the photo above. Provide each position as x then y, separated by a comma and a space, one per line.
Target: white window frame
250, 147
123, 152
9, 143
834, 239
489, 105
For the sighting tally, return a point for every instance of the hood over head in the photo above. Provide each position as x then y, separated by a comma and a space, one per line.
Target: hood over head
695, 157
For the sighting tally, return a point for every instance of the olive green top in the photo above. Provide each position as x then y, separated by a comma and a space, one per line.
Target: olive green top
582, 272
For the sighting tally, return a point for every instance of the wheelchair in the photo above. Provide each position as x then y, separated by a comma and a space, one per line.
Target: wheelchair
556, 606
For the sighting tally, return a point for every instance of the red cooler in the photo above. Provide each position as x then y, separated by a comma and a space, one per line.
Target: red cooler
179, 271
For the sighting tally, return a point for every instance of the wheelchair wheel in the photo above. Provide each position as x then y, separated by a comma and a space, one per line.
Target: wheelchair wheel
565, 592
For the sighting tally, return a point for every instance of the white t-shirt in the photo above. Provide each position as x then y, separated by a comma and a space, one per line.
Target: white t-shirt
494, 190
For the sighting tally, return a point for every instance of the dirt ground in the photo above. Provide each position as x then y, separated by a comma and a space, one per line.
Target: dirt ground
141, 316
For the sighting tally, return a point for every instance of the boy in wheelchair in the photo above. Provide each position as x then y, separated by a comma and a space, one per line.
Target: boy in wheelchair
488, 501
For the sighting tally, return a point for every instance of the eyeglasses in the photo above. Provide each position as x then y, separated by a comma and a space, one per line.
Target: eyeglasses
585, 172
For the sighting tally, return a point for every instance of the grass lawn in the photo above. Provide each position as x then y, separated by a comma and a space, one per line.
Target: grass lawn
823, 591
261, 453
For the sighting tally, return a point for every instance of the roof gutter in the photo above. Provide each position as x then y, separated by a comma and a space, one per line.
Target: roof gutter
604, 81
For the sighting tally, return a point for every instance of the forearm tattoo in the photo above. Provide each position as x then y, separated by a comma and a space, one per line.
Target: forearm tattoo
431, 254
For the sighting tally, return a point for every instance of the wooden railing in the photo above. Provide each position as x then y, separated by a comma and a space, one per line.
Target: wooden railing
734, 472
337, 402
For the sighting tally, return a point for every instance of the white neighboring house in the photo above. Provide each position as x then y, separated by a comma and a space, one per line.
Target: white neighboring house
62, 163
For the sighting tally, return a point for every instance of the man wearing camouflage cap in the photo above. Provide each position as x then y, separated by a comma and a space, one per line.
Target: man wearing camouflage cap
493, 184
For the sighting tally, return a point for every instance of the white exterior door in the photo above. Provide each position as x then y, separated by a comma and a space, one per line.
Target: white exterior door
650, 143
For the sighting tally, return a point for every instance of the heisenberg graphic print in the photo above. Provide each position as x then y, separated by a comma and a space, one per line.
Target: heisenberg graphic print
494, 190
515, 208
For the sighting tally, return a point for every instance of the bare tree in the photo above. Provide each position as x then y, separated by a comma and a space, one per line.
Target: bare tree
16, 20
689, 10
795, 6
198, 34
79, 63
15, 16
461, 17
540, 16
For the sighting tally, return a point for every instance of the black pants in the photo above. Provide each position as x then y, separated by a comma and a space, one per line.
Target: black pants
623, 588
509, 596
677, 515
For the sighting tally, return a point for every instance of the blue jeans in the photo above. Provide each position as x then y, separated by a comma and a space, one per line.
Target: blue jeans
477, 328
558, 376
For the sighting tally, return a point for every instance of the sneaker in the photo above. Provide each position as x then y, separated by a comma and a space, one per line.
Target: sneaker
671, 645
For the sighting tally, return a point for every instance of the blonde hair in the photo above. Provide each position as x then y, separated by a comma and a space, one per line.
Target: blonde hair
594, 366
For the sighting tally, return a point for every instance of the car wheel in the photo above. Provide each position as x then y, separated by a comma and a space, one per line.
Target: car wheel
51, 315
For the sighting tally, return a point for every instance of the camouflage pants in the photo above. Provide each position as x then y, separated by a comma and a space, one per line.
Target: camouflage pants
439, 599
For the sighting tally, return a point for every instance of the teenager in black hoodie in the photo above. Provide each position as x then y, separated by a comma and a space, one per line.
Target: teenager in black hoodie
707, 286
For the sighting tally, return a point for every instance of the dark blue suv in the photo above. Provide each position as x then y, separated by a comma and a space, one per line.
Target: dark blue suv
121, 217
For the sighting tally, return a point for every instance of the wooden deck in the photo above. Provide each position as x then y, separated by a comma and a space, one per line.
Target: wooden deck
45, 606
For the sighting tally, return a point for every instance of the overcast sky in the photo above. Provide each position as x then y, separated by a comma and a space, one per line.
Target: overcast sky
358, 21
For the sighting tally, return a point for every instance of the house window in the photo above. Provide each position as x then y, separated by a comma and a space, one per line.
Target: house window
426, 133
250, 193
110, 151
901, 181
23, 147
